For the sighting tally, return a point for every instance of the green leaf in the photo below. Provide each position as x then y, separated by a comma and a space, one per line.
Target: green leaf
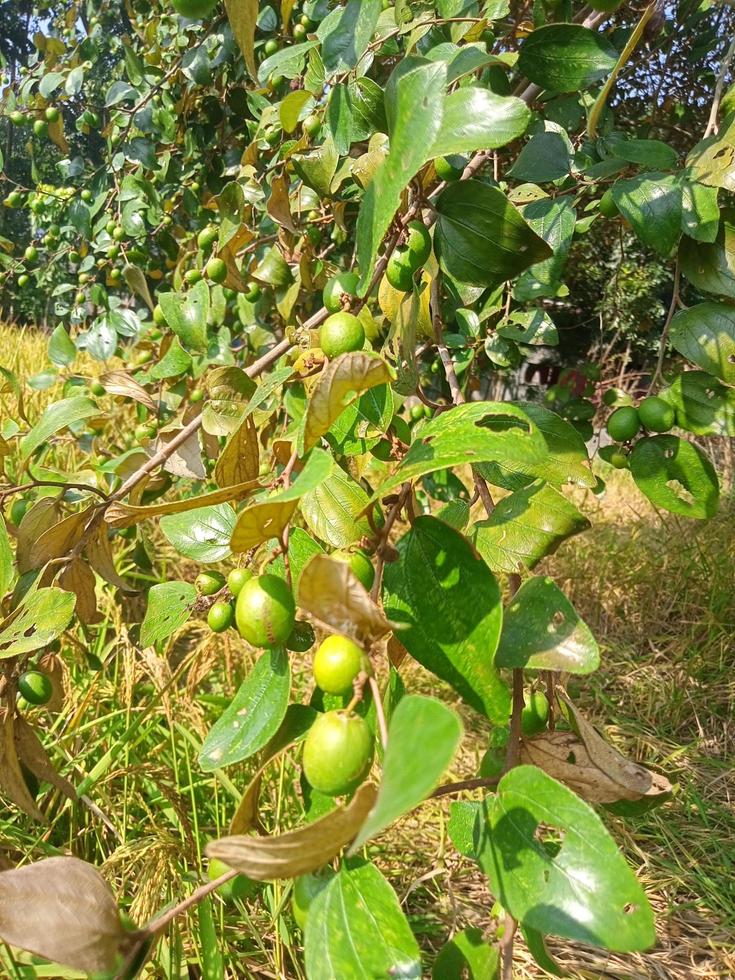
546, 156
554, 219
426, 592
291, 108
705, 335
50, 81
289, 61
416, 122
57, 416
356, 929
362, 423
42, 616
481, 237
169, 607
651, 203
273, 269
580, 889
533, 327
317, 168
467, 957
522, 439
6, 559
542, 631
712, 161
332, 510
477, 119
700, 215
174, 362
339, 118
566, 57
233, 396
703, 405
202, 534
254, 715
368, 112
423, 738
676, 475
646, 153
525, 527
186, 314
61, 349
346, 37
711, 267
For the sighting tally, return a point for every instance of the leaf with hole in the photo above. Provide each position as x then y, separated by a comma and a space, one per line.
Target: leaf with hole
675, 475
42, 616
705, 335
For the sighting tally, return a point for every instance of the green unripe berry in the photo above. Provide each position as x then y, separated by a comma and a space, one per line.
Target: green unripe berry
253, 292
337, 753
265, 611
192, 276
40, 128
270, 47
449, 168
624, 424
607, 205
31, 253
216, 270
305, 890
97, 389
237, 578
35, 687
207, 583
418, 243
362, 567
158, 316
17, 510
207, 237
340, 333
52, 114
312, 124
220, 617
337, 662
238, 888
196, 395
535, 714
336, 288
400, 269
656, 415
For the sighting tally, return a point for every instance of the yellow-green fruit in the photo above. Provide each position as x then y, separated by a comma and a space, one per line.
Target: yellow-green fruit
237, 578
624, 424
305, 890
220, 617
339, 286
341, 333
418, 243
337, 662
608, 207
400, 269
362, 567
337, 753
449, 168
656, 415
158, 316
52, 114
619, 460
207, 237
265, 612
216, 270
535, 714
238, 888
35, 687
207, 583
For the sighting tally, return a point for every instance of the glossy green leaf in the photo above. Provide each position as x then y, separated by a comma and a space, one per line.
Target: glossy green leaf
61, 349
568, 879
203, 534
646, 153
186, 314
532, 327
467, 957
361, 424
554, 220
651, 203
546, 157
700, 214
481, 238
712, 160
339, 118
477, 119
705, 335
57, 416
566, 57
42, 616
417, 117
542, 631
356, 929
317, 168
710, 267
332, 510
466, 827
522, 439
423, 738
675, 475
526, 526
346, 36
704, 406
426, 591
289, 61
169, 607
368, 112
253, 716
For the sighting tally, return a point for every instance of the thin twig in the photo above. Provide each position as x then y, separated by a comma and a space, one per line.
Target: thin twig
379, 713
720, 84
665, 330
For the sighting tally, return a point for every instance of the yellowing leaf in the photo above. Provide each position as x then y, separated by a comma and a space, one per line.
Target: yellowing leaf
239, 460
261, 521
300, 851
125, 515
343, 380
12, 784
120, 383
58, 540
242, 15
78, 578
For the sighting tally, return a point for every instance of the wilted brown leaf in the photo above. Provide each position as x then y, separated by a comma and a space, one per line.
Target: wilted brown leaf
278, 206
39, 518
300, 851
62, 909
186, 459
125, 515
239, 460
242, 15
135, 278
32, 754
261, 521
120, 383
78, 577
99, 553
330, 591
12, 784
59, 539
344, 379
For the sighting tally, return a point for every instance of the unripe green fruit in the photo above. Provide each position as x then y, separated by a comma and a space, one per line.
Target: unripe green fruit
220, 617
340, 333
418, 243
40, 128
449, 168
17, 118
535, 714
52, 114
312, 124
158, 316
619, 460
607, 205
238, 888
337, 753
118, 233
194, 9
362, 567
301, 638
656, 415
299, 32
343, 284
79, 299
14, 199
237, 578
196, 395
270, 47
17, 510
265, 611
144, 433
192, 276
305, 890
207, 583
616, 396
417, 412
492, 764
97, 389
253, 292
623, 424
207, 237
35, 687
216, 270
23, 280
31, 253
399, 271
337, 662
86, 195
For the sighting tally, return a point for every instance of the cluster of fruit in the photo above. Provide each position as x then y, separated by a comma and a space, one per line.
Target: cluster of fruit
652, 414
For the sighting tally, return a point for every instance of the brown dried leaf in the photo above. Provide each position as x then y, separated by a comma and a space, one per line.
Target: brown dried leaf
32, 754
120, 383
279, 207
12, 784
343, 380
261, 521
61, 908
39, 518
78, 577
56, 134
186, 459
331, 593
299, 851
59, 539
136, 280
99, 553
51, 664
239, 460
242, 15
125, 515
397, 653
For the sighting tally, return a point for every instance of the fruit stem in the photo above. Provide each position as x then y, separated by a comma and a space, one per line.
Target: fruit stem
379, 713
